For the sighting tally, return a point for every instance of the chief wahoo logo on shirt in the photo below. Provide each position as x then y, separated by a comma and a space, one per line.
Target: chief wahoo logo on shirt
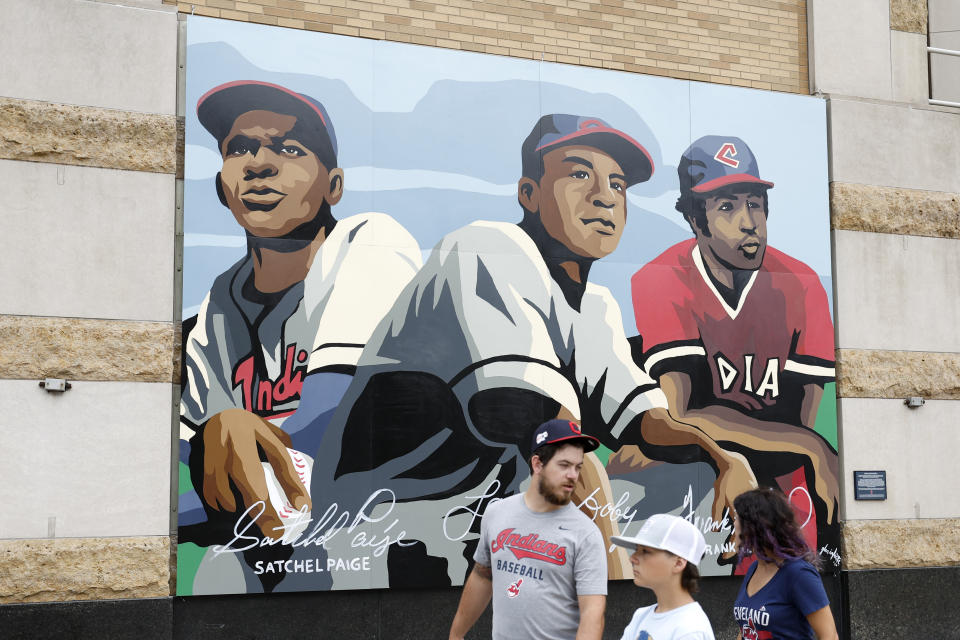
514, 589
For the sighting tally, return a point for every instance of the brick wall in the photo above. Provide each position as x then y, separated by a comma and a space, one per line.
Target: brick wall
752, 43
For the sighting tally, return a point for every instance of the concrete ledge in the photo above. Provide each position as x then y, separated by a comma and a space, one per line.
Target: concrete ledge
886, 544
87, 349
908, 15
88, 136
861, 207
867, 373
84, 569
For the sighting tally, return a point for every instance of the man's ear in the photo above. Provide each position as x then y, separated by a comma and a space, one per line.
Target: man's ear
220, 194
528, 195
336, 186
536, 463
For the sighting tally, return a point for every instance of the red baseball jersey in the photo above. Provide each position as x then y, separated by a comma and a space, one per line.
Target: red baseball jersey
781, 325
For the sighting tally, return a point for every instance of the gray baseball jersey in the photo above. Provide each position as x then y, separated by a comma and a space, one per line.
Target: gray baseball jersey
484, 313
253, 354
541, 563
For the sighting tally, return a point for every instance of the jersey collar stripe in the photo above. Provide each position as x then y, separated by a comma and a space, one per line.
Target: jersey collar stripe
809, 369
733, 313
675, 352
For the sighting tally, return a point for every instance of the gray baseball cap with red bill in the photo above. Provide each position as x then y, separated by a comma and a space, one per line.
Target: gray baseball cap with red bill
560, 129
714, 162
219, 107
557, 430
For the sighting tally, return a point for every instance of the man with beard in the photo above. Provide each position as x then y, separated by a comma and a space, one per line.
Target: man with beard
540, 560
739, 334
302, 302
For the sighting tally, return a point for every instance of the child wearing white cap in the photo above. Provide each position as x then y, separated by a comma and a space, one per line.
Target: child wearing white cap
666, 552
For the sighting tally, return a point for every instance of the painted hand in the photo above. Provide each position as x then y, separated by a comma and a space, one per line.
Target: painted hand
231, 455
735, 477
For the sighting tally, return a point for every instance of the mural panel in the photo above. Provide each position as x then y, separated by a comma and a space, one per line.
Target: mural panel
399, 260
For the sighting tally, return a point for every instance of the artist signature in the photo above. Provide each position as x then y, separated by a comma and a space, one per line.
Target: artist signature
833, 554
332, 523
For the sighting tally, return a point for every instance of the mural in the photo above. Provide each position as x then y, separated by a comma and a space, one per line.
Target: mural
399, 260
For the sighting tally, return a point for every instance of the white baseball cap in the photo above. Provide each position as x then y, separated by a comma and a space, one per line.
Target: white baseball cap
670, 533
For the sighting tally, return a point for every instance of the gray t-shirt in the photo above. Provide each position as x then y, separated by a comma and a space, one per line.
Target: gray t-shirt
540, 563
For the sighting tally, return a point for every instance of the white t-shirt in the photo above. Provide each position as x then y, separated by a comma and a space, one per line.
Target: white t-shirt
688, 622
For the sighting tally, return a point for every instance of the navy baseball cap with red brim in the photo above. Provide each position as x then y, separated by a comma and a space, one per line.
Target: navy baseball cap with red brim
715, 162
219, 107
558, 430
561, 129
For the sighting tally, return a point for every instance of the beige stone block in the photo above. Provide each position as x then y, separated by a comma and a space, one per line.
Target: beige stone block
874, 373
87, 136
887, 544
860, 207
88, 349
84, 569
908, 15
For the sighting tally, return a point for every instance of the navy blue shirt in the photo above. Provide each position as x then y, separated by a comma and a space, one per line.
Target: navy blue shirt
778, 611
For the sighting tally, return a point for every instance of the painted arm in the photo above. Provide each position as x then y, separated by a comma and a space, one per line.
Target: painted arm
230, 456
722, 424
476, 595
592, 492
823, 624
734, 476
592, 608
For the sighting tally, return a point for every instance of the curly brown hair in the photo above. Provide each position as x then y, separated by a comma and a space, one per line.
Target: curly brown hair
769, 529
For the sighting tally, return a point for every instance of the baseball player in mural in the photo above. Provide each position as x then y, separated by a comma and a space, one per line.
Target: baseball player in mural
502, 330
301, 302
739, 334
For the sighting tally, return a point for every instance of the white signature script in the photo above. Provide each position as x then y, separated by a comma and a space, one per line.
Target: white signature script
325, 528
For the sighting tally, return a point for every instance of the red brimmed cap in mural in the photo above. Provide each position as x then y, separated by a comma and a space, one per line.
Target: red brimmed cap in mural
559, 130
714, 162
218, 108
558, 430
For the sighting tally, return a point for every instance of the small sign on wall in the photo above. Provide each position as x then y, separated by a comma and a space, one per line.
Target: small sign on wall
870, 485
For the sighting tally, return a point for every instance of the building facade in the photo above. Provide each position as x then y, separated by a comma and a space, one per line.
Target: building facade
91, 141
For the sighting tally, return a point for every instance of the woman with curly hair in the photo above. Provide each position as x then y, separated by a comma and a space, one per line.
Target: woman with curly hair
782, 595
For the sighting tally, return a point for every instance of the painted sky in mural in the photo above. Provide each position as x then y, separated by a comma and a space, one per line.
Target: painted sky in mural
391, 352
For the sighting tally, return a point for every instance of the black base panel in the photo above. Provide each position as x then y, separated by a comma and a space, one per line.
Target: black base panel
883, 604
903, 603
145, 619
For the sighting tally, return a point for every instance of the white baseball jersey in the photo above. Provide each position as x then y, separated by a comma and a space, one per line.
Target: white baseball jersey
252, 353
485, 313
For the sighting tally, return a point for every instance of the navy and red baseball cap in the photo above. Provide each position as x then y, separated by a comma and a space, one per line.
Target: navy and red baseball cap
714, 162
219, 107
558, 430
559, 130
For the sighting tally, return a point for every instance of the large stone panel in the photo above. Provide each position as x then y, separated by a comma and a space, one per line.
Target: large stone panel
89, 136
87, 242
863, 373
93, 461
863, 207
916, 447
883, 544
897, 293
908, 67
850, 47
894, 145
84, 569
90, 53
82, 349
